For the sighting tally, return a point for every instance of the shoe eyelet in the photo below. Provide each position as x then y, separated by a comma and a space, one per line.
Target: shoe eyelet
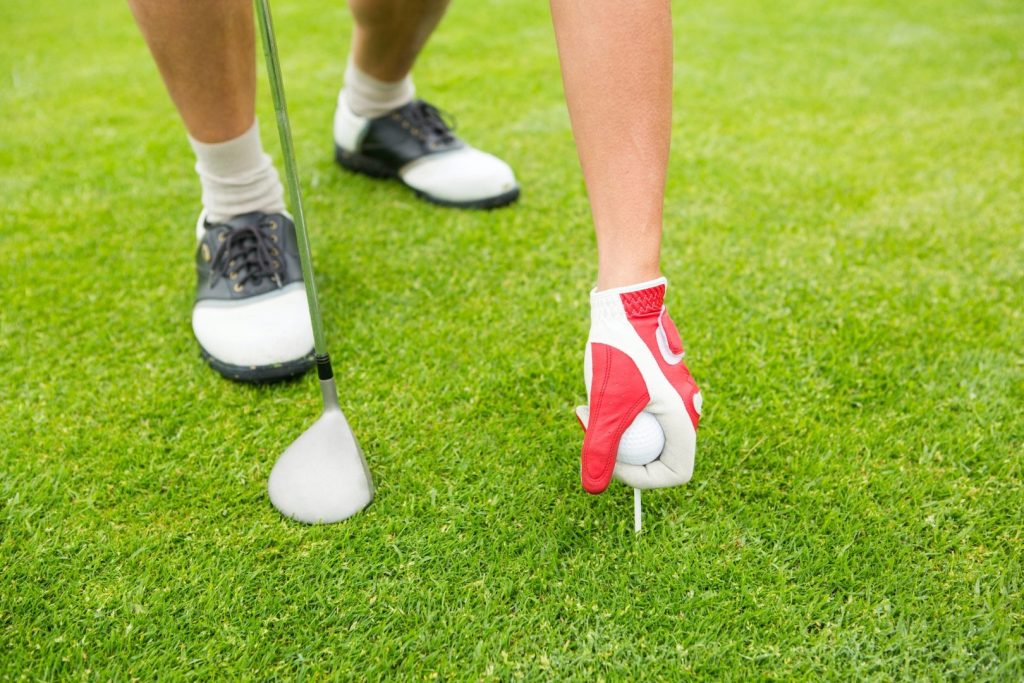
273, 238
274, 251
276, 265
233, 276
222, 236
238, 287
206, 252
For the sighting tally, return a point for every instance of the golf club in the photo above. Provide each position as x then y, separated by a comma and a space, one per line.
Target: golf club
322, 476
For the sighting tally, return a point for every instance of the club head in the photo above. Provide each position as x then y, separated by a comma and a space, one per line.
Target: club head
322, 476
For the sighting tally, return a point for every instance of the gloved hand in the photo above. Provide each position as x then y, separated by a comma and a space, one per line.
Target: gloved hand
634, 362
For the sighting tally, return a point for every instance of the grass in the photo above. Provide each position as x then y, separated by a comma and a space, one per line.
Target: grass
844, 245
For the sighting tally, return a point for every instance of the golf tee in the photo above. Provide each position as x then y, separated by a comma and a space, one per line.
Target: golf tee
637, 512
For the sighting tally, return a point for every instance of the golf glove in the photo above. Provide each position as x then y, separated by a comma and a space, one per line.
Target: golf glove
634, 362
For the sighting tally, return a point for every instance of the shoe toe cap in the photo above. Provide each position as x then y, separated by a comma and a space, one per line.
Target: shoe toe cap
269, 329
462, 175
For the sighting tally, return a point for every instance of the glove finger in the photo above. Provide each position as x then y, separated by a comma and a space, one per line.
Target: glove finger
680, 442
618, 395
653, 475
678, 457
656, 474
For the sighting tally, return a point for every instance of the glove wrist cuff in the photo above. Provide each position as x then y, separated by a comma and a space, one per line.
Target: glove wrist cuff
643, 298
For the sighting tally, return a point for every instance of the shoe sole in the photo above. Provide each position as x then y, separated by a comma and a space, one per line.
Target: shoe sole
260, 374
373, 168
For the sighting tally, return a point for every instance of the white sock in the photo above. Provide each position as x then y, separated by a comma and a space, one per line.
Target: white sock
237, 176
370, 98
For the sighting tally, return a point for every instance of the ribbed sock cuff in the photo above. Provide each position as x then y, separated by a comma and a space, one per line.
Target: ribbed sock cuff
237, 176
369, 97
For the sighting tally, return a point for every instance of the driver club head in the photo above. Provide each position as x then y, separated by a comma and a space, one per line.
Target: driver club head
322, 476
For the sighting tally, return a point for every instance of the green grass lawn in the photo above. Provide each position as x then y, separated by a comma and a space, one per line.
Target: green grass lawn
846, 252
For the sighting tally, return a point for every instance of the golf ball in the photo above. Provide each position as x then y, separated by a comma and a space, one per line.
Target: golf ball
642, 442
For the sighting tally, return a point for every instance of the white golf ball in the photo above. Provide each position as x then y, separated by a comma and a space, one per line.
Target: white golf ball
642, 442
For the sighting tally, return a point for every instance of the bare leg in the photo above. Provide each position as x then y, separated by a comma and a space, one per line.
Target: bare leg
206, 55
617, 67
389, 34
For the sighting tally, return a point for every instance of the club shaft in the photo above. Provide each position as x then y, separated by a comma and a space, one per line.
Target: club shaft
291, 173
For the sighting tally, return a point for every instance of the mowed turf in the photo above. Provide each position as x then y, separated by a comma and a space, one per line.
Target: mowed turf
844, 244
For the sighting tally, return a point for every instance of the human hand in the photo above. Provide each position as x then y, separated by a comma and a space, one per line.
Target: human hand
634, 362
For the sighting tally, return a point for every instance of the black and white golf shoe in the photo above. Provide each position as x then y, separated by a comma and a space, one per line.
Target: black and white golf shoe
251, 317
415, 145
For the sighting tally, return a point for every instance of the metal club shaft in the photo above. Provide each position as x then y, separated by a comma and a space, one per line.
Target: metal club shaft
294, 191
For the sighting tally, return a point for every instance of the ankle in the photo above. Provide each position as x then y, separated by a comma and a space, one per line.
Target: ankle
626, 275
237, 176
369, 97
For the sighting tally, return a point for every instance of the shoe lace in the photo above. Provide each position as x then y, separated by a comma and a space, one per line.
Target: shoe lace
246, 254
434, 122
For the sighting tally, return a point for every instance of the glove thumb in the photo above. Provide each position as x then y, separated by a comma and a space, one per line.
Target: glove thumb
618, 395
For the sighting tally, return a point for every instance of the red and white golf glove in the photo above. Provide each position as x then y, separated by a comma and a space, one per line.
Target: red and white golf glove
634, 362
